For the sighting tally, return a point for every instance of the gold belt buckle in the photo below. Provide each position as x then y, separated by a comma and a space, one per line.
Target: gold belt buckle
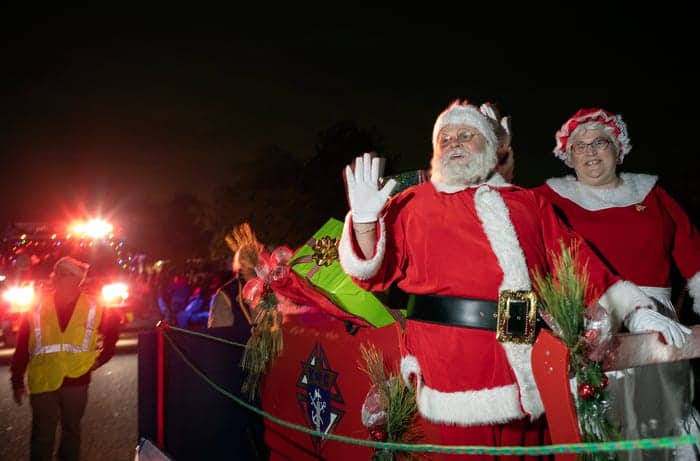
517, 315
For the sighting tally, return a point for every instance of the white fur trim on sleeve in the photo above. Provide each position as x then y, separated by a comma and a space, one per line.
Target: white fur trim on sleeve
621, 299
466, 408
694, 291
353, 264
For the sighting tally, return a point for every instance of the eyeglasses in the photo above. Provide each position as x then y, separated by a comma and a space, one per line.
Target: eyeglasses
598, 144
461, 138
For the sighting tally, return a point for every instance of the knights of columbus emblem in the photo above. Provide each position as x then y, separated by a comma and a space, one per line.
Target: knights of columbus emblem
317, 392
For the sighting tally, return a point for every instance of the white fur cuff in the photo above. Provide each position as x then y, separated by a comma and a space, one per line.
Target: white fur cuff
694, 291
351, 263
621, 299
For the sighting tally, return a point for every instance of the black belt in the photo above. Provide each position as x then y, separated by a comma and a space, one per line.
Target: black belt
463, 312
472, 313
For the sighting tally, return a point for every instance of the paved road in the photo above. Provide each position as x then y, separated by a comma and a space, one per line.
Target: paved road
110, 429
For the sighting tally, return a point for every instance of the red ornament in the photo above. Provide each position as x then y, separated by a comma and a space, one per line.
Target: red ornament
586, 391
592, 334
253, 291
378, 434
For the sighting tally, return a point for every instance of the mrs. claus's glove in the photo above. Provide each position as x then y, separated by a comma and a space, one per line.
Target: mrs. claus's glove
365, 197
645, 319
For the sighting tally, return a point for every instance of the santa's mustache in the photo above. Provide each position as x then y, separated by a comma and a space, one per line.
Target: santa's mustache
456, 152
476, 167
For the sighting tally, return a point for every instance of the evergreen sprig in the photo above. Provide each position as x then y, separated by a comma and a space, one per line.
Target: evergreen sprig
397, 400
562, 294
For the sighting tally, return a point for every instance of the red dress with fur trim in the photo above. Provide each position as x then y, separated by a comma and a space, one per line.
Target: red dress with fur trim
641, 215
471, 244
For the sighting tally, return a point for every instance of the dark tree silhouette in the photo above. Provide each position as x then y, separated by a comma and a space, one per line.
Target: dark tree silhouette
173, 230
337, 146
286, 200
265, 191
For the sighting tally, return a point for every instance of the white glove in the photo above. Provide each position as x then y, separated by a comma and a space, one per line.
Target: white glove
645, 319
365, 197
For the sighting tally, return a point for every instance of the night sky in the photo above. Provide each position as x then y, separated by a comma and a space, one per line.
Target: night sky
104, 107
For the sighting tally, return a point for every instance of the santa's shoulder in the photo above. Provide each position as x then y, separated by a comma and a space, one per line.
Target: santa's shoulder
418, 191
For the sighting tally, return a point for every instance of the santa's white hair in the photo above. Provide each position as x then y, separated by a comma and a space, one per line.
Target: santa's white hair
463, 113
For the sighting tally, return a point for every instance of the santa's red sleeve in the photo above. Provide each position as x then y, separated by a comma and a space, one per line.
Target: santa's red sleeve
383, 269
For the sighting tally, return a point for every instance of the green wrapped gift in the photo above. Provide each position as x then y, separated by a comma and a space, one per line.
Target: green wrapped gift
317, 262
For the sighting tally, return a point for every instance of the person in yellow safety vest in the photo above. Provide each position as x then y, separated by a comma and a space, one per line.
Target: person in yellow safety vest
58, 346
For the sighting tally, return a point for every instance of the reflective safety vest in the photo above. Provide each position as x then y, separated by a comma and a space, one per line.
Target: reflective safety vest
56, 354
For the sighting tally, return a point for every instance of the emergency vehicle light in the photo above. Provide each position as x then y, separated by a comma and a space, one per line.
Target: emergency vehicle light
115, 293
19, 297
94, 228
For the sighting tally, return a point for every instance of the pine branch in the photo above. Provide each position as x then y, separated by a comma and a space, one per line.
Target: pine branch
397, 400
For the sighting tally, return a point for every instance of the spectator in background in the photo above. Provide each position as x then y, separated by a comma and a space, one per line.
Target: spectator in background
227, 307
196, 313
504, 151
162, 295
179, 292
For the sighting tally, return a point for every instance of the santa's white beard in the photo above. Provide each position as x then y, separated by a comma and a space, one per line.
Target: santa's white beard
479, 167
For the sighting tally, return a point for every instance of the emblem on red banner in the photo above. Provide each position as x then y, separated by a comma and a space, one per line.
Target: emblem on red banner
318, 395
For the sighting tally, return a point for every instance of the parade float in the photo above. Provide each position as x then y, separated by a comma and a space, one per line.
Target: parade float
316, 377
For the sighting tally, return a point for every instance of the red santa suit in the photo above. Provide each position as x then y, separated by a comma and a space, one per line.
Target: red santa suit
640, 231
472, 243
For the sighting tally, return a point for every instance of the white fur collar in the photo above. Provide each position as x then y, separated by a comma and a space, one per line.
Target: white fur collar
495, 180
633, 189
